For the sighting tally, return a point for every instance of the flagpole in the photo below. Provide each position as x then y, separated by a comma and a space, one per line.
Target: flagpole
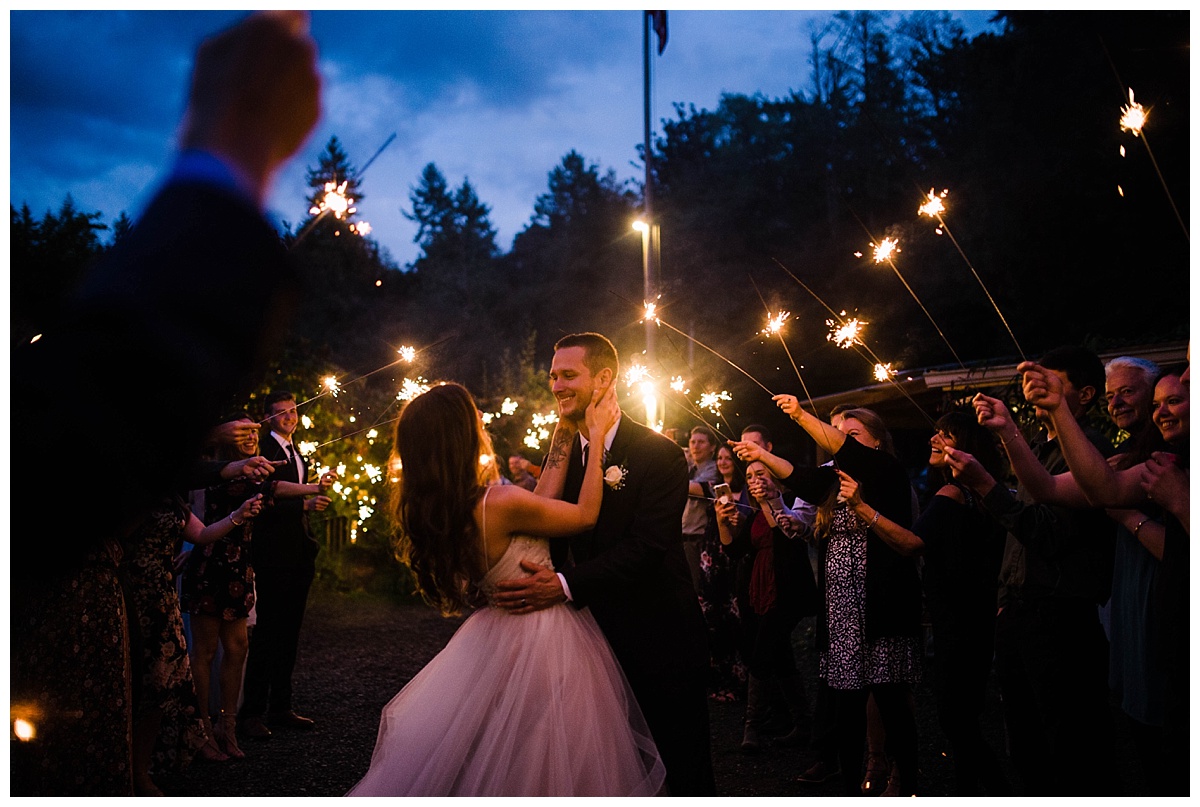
647, 193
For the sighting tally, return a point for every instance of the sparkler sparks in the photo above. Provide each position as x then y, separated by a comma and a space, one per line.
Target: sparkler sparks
884, 372
508, 406
1133, 116
886, 249
362, 228
411, 389
331, 385
775, 323
335, 201
407, 353
933, 206
845, 334
712, 401
679, 385
650, 314
636, 374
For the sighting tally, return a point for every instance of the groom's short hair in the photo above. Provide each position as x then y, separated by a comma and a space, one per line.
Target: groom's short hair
598, 352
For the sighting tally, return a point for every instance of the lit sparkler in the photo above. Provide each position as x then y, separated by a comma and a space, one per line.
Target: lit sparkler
884, 372
775, 323
331, 385
410, 388
650, 313
334, 201
933, 206
712, 401
886, 249
715, 353
1133, 116
407, 353
846, 333
636, 374
678, 385
508, 406
362, 228
1133, 119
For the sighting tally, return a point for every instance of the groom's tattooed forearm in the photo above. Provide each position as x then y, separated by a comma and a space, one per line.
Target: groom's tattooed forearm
560, 447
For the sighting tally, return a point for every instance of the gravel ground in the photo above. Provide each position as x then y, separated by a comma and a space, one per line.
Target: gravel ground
357, 651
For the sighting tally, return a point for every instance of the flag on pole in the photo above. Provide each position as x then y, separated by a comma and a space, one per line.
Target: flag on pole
659, 19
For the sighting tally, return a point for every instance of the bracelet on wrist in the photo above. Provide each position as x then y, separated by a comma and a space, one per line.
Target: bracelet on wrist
1138, 528
234, 521
874, 520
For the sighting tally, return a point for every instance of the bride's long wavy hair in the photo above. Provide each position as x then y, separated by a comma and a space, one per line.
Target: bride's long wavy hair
437, 448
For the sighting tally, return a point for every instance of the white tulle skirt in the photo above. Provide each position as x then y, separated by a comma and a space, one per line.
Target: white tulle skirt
531, 705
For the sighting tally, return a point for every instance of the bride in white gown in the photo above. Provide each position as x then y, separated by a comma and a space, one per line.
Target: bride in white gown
514, 705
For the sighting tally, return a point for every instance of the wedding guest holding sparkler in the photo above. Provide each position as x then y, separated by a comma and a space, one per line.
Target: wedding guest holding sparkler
1122, 487
165, 709
780, 592
252, 102
870, 628
697, 513
961, 546
1051, 652
218, 588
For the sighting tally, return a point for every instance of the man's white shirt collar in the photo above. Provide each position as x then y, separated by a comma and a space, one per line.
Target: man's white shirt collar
608, 438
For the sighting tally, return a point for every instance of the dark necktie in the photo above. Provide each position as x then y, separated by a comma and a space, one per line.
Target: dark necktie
292, 459
585, 455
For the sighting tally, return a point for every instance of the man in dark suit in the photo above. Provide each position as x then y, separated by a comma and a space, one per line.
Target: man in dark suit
190, 304
285, 555
630, 569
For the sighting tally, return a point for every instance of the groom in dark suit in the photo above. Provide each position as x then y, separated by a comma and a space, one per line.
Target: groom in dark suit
630, 569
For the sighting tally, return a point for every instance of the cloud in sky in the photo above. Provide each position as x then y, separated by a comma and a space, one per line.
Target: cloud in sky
497, 97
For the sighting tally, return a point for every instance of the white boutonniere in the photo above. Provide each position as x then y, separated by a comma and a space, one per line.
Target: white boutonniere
614, 476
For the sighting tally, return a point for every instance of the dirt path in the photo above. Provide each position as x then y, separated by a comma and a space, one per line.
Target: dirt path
357, 652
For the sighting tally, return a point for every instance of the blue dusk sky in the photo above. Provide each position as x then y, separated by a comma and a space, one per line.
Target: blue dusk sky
496, 97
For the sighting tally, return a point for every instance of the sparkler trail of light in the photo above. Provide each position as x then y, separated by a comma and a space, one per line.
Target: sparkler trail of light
934, 208
883, 372
884, 252
775, 325
860, 346
1133, 119
662, 321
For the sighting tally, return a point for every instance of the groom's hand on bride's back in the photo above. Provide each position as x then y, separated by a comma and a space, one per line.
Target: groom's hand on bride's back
524, 595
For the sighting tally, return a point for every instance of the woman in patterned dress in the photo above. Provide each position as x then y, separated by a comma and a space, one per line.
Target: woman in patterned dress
167, 730
218, 587
870, 625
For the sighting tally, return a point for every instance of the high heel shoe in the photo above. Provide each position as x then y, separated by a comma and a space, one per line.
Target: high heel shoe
227, 736
877, 774
209, 750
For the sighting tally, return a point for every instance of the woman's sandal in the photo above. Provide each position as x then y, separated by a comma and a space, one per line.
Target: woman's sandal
227, 736
209, 750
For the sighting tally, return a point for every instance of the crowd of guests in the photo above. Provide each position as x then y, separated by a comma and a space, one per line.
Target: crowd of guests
1055, 561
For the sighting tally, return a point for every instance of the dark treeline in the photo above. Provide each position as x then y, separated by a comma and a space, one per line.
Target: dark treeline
1076, 242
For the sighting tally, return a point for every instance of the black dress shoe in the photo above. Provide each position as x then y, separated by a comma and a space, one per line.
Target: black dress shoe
254, 728
290, 719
